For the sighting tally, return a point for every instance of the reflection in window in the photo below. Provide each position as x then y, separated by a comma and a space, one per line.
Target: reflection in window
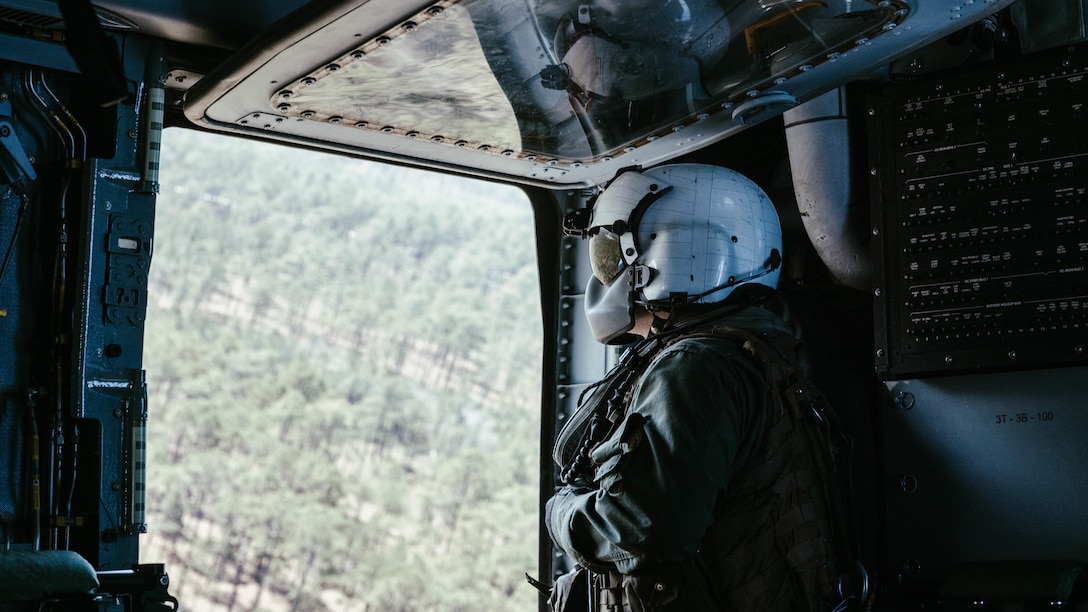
575, 79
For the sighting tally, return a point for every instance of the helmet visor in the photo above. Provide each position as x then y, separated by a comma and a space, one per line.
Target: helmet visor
605, 257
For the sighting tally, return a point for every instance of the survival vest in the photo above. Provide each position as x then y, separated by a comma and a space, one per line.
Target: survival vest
779, 539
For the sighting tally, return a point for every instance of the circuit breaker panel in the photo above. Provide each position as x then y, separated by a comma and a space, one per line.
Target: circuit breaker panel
982, 225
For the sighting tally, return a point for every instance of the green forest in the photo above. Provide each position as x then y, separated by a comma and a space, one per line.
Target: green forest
343, 362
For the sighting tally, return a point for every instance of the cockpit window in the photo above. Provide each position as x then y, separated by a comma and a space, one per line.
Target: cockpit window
575, 80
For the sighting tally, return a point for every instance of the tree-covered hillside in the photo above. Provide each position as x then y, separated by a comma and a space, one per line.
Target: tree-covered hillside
343, 369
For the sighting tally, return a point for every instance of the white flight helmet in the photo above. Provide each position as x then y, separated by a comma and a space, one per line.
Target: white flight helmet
675, 235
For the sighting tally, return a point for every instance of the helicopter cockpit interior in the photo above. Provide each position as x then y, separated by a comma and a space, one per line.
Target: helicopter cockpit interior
929, 160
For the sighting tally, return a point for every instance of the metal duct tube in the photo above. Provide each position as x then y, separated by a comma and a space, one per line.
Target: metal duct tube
833, 212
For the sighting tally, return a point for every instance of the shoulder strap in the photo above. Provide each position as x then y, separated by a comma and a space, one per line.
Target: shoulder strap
599, 409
